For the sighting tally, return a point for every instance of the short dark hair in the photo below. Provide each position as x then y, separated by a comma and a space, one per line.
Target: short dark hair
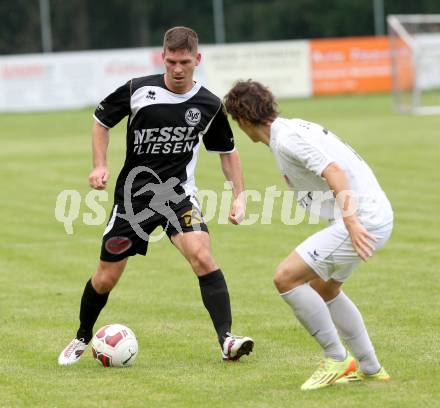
251, 101
181, 38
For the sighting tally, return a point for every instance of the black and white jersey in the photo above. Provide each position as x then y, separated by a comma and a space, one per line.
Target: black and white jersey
164, 133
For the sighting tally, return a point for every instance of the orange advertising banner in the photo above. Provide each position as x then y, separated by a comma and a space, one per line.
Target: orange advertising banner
350, 65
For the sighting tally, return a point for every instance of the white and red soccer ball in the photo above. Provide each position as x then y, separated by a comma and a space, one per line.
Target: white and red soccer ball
115, 345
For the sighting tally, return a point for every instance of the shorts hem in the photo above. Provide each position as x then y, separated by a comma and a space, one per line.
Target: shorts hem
203, 228
113, 260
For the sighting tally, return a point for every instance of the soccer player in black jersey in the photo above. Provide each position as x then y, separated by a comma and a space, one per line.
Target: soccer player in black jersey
169, 117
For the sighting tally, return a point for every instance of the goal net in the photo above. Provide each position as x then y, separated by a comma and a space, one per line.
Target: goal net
415, 62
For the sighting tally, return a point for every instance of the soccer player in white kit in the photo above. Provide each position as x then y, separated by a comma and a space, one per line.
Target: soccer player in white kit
330, 180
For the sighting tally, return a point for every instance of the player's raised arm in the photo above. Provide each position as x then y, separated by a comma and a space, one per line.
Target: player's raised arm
360, 237
233, 172
100, 174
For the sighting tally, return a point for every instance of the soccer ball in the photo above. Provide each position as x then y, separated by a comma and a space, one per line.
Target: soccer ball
115, 345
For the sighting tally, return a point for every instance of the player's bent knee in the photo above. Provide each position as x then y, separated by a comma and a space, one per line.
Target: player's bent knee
283, 279
202, 261
290, 273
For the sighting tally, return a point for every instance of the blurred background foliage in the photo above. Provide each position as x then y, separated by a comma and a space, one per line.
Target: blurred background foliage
104, 24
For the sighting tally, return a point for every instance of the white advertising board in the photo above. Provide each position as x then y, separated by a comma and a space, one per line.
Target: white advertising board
283, 66
38, 82
67, 80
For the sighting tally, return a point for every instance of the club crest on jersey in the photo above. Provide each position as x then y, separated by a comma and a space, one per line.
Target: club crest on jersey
193, 116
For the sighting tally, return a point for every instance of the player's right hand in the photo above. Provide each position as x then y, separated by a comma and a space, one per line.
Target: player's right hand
98, 178
238, 210
362, 240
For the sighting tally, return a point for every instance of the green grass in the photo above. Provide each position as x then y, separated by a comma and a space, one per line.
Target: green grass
43, 271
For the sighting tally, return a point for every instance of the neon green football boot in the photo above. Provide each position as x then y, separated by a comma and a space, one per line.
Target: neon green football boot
328, 372
358, 375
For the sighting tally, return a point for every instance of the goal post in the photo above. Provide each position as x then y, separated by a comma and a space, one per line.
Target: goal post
415, 62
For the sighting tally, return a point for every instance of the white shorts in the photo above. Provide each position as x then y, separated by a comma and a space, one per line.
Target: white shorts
331, 254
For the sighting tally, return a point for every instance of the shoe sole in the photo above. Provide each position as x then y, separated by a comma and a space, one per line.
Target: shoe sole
342, 381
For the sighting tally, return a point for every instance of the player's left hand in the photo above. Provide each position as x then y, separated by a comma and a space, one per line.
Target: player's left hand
362, 240
238, 210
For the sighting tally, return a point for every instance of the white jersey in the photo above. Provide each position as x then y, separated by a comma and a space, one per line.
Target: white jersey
303, 150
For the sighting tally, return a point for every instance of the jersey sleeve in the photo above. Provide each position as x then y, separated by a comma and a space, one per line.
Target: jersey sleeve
307, 153
114, 107
219, 137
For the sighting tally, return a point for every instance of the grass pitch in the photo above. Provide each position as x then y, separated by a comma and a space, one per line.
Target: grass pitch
43, 271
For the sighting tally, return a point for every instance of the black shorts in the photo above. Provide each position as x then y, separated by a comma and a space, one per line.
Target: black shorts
124, 237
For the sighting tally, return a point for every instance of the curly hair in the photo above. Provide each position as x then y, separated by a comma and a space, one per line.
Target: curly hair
251, 101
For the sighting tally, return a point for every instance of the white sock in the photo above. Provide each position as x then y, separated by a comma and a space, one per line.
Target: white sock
313, 314
350, 324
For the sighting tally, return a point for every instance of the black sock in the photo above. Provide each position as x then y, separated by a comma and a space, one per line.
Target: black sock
215, 297
91, 305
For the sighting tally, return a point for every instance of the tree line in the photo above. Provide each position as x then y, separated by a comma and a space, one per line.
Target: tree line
105, 24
